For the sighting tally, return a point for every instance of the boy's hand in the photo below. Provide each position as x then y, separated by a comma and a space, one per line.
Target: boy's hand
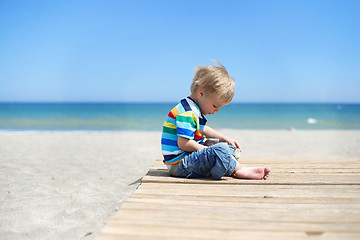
233, 143
211, 133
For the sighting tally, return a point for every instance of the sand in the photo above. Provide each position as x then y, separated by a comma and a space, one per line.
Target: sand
66, 185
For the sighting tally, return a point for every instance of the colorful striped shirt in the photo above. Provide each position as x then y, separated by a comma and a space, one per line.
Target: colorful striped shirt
184, 120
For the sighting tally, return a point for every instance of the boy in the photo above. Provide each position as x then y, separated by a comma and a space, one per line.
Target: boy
185, 131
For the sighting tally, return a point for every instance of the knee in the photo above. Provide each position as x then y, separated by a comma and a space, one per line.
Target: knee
222, 147
223, 158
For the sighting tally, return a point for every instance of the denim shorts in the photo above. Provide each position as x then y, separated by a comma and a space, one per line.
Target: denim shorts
217, 160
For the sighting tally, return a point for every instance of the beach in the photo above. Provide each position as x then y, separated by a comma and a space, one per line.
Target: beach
66, 185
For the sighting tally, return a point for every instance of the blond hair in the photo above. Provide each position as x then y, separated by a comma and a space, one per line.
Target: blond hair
215, 81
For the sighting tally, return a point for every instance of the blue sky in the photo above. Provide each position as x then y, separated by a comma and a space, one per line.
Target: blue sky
145, 51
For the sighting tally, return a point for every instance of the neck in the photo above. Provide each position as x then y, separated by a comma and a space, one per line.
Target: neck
194, 97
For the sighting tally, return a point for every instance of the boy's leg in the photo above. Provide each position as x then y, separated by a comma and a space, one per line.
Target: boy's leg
217, 160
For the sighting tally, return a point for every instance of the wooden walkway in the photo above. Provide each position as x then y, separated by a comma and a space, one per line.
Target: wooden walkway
317, 199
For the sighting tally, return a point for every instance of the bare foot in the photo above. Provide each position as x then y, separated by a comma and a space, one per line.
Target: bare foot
255, 173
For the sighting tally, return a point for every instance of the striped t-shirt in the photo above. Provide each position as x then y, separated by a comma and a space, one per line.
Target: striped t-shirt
184, 120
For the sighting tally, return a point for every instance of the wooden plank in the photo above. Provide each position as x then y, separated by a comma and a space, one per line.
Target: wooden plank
137, 231
229, 225
217, 215
270, 191
134, 230
312, 215
162, 176
200, 186
259, 200
160, 200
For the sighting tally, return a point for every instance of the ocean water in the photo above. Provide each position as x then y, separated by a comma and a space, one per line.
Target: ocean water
147, 116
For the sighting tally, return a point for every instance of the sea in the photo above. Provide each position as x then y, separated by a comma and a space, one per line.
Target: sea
16, 117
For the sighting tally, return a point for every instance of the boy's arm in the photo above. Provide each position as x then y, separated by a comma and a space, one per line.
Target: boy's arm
211, 133
189, 145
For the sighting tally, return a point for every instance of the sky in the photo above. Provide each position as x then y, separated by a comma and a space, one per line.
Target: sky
146, 51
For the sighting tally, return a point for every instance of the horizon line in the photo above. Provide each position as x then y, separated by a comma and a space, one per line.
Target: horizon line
168, 102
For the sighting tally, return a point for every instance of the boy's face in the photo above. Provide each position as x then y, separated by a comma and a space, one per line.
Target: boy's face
209, 104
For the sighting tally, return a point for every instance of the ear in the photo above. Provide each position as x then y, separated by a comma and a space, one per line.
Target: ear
200, 93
